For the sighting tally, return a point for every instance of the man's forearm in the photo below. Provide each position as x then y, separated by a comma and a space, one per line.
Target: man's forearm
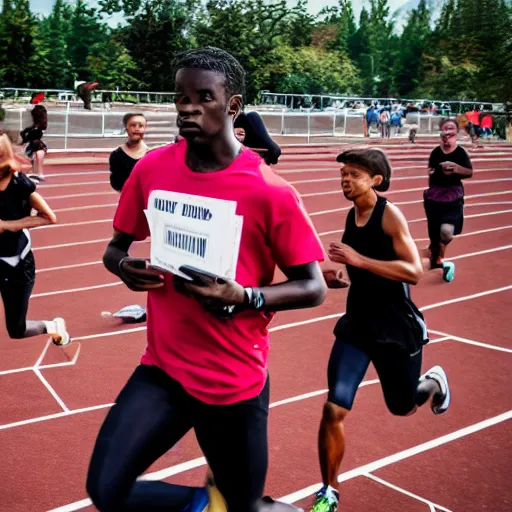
306, 293
112, 257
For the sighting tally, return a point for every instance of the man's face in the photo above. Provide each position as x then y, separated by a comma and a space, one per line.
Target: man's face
202, 104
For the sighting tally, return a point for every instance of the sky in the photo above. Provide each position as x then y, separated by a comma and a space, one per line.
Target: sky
44, 6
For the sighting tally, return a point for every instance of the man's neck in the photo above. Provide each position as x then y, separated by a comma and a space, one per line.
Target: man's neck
215, 156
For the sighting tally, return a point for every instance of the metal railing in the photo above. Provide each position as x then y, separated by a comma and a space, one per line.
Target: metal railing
66, 124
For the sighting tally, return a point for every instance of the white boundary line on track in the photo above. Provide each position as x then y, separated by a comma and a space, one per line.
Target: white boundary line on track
471, 233
110, 220
99, 262
433, 506
273, 329
416, 201
397, 457
86, 207
44, 187
473, 342
395, 178
322, 212
401, 190
343, 477
117, 283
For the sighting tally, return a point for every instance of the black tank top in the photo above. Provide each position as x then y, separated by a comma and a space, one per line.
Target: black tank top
368, 290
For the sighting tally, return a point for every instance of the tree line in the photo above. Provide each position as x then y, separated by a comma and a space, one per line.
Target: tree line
463, 54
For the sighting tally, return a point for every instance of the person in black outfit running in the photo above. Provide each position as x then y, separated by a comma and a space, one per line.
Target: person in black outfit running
32, 136
381, 325
17, 267
251, 131
121, 162
448, 165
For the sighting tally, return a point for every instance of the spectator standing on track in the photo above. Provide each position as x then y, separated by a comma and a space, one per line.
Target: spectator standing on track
121, 162
381, 324
486, 125
18, 197
448, 165
32, 136
384, 120
205, 366
123, 159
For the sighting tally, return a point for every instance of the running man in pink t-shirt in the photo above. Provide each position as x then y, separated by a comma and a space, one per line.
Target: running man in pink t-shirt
205, 365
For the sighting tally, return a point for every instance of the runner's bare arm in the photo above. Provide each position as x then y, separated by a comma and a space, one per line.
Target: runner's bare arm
136, 273
406, 268
44, 216
304, 288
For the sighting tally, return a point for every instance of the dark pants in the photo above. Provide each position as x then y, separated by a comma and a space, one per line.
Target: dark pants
398, 371
152, 413
16, 285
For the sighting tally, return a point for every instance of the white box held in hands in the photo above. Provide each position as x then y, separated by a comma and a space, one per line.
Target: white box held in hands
203, 232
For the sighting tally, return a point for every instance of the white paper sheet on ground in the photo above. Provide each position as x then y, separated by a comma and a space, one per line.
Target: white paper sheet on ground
193, 230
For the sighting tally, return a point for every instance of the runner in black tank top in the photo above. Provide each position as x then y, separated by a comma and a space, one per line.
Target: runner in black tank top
121, 162
381, 325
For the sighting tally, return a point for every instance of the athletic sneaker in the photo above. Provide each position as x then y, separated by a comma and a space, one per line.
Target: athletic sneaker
270, 504
58, 332
448, 271
326, 500
440, 401
199, 501
35, 177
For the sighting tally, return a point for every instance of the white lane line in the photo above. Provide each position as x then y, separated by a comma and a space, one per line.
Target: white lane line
78, 184
54, 416
473, 342
404, 190
71, 244
52, 391
86, 207
74, 290
400, 456
470, 233
467, 297
310, 490
397, 178
478, 253
433, 506
78, 173
70, 224
84, 194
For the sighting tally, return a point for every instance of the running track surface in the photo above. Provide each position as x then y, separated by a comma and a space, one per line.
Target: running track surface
54, 400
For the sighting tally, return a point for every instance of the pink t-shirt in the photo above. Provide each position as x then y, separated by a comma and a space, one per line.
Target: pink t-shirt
219, 361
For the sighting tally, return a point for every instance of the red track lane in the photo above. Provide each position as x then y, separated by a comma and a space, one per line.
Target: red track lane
479, 376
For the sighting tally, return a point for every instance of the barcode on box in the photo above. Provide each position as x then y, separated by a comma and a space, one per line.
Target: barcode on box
186, 242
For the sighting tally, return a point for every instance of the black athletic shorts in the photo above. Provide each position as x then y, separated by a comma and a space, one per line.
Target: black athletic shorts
439, 213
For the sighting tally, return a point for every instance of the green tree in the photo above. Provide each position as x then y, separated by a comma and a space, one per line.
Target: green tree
116, 71
85, 30
53, 35
156, 31
310, 70
18, 28
407, 75
251, 29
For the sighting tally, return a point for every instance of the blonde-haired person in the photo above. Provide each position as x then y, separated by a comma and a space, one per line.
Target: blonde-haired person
18, 197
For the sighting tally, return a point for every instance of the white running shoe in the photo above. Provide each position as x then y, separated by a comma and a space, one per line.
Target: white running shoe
58, 332
440, 401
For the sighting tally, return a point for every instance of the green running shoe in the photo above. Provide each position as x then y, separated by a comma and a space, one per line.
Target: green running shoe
448, 271
326, 500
